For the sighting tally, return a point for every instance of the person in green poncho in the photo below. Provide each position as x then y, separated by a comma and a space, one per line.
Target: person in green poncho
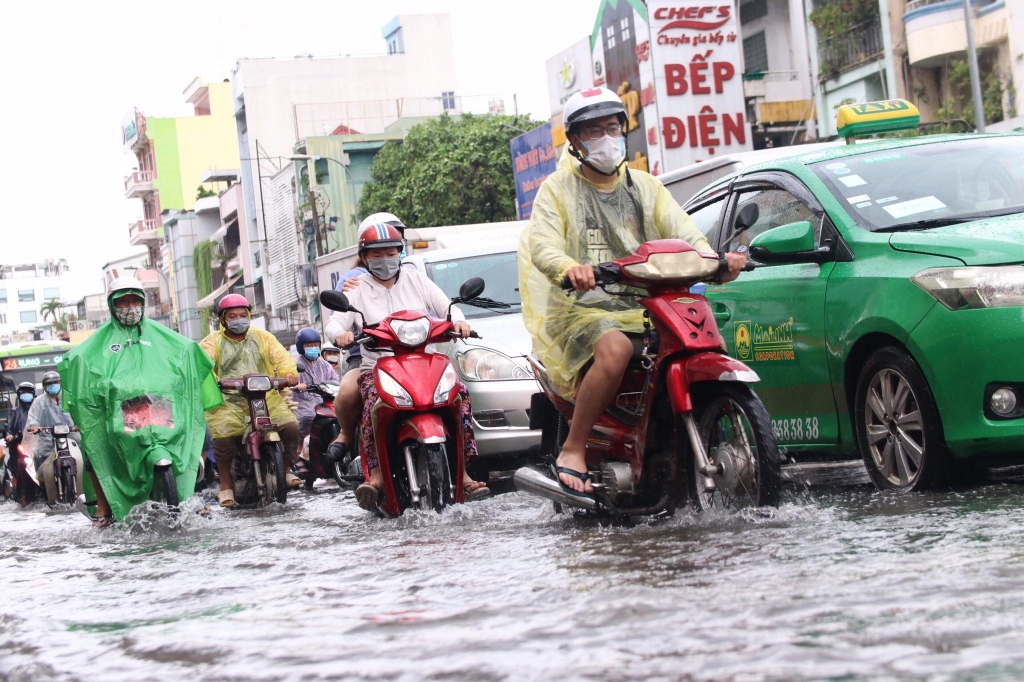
137, 392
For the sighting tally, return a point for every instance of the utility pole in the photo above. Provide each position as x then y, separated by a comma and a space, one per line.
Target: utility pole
316, 223
972, 60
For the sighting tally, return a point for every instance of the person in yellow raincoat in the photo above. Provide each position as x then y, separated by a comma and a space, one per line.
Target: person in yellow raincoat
237, 350
592, 210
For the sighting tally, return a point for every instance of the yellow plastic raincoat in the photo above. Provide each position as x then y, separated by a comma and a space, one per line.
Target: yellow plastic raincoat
575, 223
258, 353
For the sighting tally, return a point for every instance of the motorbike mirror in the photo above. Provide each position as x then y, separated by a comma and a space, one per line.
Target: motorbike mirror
747, 216
471, 289
335, 300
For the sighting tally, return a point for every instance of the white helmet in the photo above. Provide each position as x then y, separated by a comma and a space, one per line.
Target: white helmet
587, 105
122, 286
381, 218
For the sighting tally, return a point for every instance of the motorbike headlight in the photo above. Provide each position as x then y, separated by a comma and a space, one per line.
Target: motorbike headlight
483, 364
61, 430
258, 383
411, 332
974, 287
445, 385
390, 385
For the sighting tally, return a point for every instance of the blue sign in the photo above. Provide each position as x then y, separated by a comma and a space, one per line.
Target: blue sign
533, 159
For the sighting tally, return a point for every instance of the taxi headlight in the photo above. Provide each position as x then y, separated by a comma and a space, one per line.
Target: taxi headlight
483, 364
390, 385
974, 287
662, 266
445, 385
411, 332
258, 383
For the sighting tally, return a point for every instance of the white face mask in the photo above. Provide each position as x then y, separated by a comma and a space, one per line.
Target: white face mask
606, 153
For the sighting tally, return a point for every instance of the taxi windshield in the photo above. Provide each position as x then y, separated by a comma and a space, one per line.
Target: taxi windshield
930, 185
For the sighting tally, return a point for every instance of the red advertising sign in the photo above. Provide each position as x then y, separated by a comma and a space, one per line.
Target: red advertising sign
695, 48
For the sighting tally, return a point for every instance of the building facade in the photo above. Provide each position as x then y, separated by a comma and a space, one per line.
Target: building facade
25, 290
278, 102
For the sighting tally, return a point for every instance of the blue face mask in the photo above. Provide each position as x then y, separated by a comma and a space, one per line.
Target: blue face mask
312, 353
53, 389
25, 397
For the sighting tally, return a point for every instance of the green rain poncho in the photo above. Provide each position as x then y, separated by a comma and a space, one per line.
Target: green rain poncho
138, 396
575, 223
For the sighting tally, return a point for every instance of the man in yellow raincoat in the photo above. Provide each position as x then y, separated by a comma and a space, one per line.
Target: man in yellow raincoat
237, 350
592, 210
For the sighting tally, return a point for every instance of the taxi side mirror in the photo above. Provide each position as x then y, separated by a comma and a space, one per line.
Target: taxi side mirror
792, 243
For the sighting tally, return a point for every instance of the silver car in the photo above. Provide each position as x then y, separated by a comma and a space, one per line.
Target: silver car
494, 367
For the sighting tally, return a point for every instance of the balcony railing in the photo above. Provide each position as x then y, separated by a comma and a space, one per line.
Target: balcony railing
150, 278
918, 4
863, 43
146, 230
138, 183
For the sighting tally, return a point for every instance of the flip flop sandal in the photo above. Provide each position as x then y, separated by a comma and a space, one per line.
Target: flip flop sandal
226, 498
366, 496
476, 493
300, 467
291, 480
103, 521
575, 474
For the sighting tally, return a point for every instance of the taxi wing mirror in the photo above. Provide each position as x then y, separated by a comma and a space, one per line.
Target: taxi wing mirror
792, 243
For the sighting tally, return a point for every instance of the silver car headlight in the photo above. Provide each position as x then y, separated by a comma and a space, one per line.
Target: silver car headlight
411, 332
484, 364
445, 385
974, 287
390, 385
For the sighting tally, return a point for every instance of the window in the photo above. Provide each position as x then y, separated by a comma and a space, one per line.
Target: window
624, 25
51, 292
609, 35
448, 100
706, 217
3, 295
26, 295
499, 269
749, 11
3, 318
323, 172
28, 316
777, 208
755, 53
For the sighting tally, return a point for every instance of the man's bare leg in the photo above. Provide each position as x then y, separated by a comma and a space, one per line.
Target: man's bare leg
594, 395
102, 506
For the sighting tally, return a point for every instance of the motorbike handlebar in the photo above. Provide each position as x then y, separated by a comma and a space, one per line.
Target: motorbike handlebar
605, 273
472, 335
239, 384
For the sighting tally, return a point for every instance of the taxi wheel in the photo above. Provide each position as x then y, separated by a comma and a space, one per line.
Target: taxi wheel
898, 427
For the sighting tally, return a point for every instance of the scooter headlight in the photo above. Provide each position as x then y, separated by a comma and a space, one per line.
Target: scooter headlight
258, 383
61, 430
445, 385
390, 385
411, 332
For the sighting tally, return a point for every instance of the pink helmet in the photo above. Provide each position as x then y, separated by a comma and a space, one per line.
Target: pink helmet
232, 301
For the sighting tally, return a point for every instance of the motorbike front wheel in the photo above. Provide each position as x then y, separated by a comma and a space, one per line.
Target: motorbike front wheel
68, 487
433, 476
165, 488
736, 431
275, 488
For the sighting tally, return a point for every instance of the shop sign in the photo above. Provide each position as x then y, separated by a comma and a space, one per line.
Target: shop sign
568, 73
130, 129
533, 160
695, 50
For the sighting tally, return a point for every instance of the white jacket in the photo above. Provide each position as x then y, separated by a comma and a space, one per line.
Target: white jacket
412, 291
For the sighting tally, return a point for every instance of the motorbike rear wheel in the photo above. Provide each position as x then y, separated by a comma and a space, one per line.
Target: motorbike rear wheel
165, 488
275, 488
737, 435
433, 476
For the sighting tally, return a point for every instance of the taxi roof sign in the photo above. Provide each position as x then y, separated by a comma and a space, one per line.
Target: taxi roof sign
870, 118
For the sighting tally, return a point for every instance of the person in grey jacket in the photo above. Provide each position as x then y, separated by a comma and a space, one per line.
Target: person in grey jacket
385, 289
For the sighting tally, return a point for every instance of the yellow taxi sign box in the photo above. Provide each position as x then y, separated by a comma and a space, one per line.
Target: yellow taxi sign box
871, 118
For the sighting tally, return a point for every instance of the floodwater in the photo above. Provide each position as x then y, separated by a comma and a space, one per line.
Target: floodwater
840, 583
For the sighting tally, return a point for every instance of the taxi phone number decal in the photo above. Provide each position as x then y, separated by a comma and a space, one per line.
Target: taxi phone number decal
788, 430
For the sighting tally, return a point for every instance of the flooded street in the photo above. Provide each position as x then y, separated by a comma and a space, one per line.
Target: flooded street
841, 582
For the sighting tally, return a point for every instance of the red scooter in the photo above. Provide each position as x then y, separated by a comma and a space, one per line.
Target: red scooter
685, 424
321, 434
417, 423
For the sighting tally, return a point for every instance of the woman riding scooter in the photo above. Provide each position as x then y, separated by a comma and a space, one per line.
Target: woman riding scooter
313, 369
385, 289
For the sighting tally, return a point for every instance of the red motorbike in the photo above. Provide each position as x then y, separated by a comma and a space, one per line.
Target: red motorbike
685, 423
321, 434
258, 473
417, 423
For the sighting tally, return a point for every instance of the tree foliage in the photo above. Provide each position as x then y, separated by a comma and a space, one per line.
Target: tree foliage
960, 102
448, 171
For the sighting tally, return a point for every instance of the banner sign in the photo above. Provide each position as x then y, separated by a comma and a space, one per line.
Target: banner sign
533, 159
568, 73
696, 51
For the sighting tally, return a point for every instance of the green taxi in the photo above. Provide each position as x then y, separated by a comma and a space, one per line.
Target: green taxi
887, 317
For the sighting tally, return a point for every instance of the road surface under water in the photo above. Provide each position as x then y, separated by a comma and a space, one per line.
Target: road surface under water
839, 583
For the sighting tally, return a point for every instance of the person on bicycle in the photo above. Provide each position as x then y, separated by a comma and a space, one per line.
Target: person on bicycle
386, 288
593, 209
313, 369
138, 391
14, 431
238, 349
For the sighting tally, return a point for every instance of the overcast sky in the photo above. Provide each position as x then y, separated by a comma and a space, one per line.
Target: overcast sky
72, 70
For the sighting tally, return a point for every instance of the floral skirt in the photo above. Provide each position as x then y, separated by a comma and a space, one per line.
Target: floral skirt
368, 391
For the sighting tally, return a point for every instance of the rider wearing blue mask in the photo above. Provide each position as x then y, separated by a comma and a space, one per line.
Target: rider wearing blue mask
313, 369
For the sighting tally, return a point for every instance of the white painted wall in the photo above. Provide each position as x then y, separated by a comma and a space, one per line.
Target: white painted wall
786, 40
71, 286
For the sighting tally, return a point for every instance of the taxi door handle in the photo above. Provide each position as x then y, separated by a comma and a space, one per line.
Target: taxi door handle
722, 313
